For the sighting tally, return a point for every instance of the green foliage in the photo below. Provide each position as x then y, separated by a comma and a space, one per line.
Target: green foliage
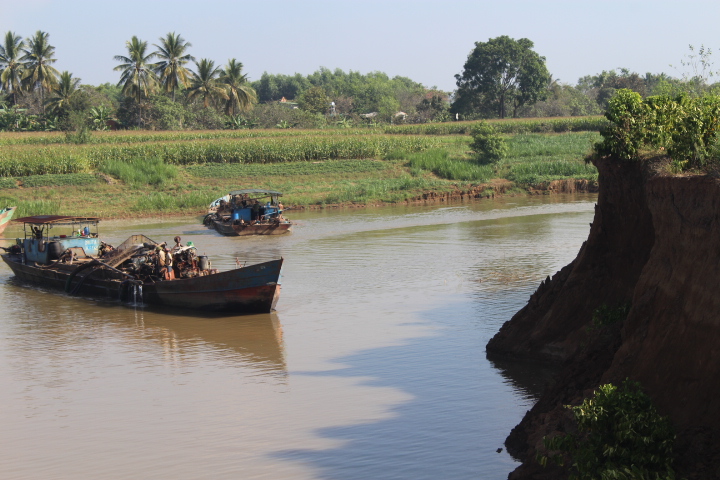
439, 162
538, 171
99, 116
237, 122
620, 436
506, 126
140, 171
55, 180
28, 208
314, 100
80, 136
383, 190
686, 128
606, 315
270, 115
291, 169
6, 183
489, 147
499, 75
627, 130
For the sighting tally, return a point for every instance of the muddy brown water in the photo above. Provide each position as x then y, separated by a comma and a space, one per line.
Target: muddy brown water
373, 365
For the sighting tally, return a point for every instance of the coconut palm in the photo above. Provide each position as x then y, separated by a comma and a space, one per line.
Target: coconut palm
241, 96
63, 93
39, 72
170, 69
137, 78
11, 66
204, 83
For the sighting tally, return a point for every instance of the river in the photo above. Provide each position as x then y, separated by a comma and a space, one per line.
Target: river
372, 367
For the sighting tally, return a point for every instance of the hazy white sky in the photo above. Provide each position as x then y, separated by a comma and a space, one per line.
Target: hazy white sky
427, 41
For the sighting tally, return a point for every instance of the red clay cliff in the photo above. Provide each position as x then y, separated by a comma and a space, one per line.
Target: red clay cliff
654, 245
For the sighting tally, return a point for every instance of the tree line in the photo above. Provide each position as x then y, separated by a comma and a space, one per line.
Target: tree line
162, 86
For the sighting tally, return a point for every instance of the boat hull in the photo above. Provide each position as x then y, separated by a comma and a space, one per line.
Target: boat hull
251, 289
232, 229
5, 217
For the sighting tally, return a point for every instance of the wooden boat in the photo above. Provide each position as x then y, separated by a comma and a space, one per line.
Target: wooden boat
80, 264
5, 216
248, 212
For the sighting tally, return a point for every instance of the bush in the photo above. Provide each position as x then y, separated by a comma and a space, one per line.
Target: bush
488, 145
620, 436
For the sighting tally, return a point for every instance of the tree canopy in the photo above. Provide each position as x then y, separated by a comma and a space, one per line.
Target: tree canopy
499, 74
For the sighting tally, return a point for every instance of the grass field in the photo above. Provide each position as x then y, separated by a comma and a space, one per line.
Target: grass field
123, 174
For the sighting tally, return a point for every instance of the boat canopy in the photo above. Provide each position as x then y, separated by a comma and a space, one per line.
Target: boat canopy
256, 191
56, 220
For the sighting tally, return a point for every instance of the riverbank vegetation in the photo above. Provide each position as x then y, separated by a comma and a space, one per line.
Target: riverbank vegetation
126, 174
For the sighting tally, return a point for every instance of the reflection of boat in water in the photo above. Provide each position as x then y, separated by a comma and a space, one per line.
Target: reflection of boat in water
255, 340
248, 212
5, 216
79, 263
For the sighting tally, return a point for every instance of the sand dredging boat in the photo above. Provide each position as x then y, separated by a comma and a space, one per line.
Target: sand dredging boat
66, 253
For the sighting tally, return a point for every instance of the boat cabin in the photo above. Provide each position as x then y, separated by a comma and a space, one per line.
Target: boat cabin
47, 237
249, 205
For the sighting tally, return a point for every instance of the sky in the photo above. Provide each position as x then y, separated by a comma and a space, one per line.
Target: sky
425, 41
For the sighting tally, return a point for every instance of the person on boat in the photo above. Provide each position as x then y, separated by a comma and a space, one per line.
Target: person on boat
161, 260
169, 274
178, 245
255, 211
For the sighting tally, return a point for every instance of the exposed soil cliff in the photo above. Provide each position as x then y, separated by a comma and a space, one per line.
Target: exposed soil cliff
654, 244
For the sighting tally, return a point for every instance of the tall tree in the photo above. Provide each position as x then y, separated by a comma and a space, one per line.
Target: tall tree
137, 78
11, 66
240, 94
63, 93
204, 83
38, 58
171, 69
501, 73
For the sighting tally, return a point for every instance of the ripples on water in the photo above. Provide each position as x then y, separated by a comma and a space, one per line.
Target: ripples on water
372, 367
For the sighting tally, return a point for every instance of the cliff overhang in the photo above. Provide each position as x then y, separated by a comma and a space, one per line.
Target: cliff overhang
653, 246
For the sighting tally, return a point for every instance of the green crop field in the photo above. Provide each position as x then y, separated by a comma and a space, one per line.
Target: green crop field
135, 173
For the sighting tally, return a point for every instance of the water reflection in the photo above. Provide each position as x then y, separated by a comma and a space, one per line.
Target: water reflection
57, 323
529, 378
377, 371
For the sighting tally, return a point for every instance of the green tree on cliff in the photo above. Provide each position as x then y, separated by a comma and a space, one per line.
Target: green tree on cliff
500, 75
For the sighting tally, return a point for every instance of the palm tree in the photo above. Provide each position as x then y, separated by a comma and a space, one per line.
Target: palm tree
63, 93
38, 58
11, 68
240, 95
170, 69
137, 78
204, 83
